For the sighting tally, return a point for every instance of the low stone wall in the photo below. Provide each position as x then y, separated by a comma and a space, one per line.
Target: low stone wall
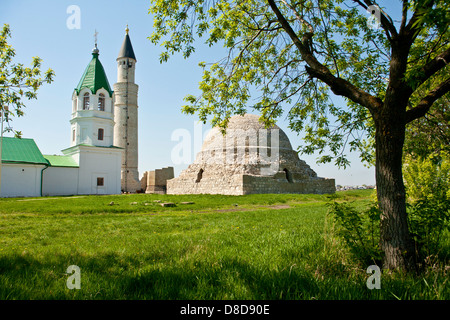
220, 184
259, 184
247, 184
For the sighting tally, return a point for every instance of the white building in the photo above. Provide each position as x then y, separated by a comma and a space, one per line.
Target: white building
22, 168
95, 162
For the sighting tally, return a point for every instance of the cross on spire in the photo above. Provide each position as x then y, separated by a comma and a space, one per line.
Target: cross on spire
95, 37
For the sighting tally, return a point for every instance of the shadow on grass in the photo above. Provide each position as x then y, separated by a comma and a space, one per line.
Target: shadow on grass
111, 276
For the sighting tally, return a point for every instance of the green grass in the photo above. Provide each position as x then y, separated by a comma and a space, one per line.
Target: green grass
219, 247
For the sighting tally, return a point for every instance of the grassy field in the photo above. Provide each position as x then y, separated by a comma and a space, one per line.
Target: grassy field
213, 247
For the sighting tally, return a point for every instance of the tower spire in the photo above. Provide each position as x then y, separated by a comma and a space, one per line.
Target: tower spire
126, 51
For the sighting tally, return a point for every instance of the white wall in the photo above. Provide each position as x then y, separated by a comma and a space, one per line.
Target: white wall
96, 162
21, 180
60, 181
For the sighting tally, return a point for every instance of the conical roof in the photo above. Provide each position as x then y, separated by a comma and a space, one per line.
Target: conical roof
94, 77
126, 51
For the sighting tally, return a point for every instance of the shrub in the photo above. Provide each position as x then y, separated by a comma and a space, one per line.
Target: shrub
359, 230
428, 177
428, 219
427, 181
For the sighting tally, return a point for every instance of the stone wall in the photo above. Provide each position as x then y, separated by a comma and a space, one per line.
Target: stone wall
208, 184
278, 184
216, 182
156, 181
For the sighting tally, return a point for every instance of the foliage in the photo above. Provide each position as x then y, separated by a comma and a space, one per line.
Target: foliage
427, 178
429, 220
359, 229
428, 185
16, 80
429, 135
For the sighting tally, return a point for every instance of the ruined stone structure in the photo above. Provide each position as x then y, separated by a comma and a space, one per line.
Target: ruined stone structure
156, 181
248, 159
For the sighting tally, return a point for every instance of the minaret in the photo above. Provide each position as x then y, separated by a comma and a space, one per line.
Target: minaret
126, 116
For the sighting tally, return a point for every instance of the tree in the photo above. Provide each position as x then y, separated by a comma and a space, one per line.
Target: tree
299, 55
17, 81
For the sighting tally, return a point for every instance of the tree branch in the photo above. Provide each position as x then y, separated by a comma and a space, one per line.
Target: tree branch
317, 70
436, 64
413, 27
425, 104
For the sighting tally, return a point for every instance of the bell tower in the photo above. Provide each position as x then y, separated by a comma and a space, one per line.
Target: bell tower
92, 121
126, 116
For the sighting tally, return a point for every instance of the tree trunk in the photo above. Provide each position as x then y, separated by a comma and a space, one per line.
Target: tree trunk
395, 239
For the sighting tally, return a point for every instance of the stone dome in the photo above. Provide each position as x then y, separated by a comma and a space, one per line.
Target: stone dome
244, 130
248, 147
248, 158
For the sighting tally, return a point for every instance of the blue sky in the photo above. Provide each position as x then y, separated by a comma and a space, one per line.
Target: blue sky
39, 28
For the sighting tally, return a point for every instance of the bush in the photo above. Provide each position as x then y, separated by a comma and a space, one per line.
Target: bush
359, 230
427, 178
428, 219
427, 181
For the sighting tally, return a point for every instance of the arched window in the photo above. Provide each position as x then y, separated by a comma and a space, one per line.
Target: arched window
288, 175
199, 176
101, 102
86, 101
100, 134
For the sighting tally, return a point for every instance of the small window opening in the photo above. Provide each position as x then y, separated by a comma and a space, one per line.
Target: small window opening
86, 101
100, 134
101, 102
100, 182
199, 176
288, 175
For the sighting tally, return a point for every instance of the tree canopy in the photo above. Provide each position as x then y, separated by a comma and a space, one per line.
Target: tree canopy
17, 81
283, 56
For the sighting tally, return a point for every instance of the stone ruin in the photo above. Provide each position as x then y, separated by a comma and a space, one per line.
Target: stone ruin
156, 181
248, 159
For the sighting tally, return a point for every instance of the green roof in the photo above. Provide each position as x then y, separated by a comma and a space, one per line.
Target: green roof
94, 76
61, 161
23, 150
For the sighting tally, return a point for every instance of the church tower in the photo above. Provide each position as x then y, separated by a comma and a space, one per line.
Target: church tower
126, 115
92, 120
